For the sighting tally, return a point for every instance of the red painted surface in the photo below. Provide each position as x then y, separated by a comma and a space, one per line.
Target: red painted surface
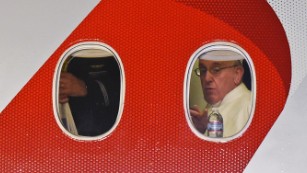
154, 40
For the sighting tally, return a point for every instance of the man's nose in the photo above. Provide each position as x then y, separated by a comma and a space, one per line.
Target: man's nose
208, 77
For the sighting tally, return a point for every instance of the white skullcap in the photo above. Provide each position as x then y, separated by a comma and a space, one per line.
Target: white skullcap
221, 55
92, 53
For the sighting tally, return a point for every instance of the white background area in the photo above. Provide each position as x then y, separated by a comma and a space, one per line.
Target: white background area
30, 31
285, 147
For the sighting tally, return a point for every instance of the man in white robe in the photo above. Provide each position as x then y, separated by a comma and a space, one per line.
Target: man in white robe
221, 73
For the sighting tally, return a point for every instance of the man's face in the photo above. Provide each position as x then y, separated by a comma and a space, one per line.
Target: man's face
217, 80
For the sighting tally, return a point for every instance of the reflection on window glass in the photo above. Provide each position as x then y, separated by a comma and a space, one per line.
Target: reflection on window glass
220, 92
89, 88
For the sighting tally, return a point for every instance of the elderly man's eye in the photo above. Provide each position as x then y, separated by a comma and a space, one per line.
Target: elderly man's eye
215, 70
203, 70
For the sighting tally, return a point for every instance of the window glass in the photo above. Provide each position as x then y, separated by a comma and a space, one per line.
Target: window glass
88, 91
219, 91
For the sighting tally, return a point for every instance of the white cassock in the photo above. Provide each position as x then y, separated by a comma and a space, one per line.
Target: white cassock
235, 109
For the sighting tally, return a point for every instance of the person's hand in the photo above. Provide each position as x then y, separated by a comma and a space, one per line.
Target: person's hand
199, 119
71, 86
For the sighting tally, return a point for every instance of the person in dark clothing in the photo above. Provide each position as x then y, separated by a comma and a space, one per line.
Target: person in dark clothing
91, 86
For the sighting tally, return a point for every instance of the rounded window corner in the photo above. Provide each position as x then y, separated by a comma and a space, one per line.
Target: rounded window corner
219, 92
88, 91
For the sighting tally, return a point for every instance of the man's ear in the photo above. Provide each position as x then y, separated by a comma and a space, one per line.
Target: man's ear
239, 74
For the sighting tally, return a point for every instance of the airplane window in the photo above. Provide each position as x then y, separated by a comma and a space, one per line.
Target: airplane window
220, 91
88, 91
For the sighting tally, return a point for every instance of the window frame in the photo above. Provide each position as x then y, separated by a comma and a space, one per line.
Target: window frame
214, 46
55, 96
